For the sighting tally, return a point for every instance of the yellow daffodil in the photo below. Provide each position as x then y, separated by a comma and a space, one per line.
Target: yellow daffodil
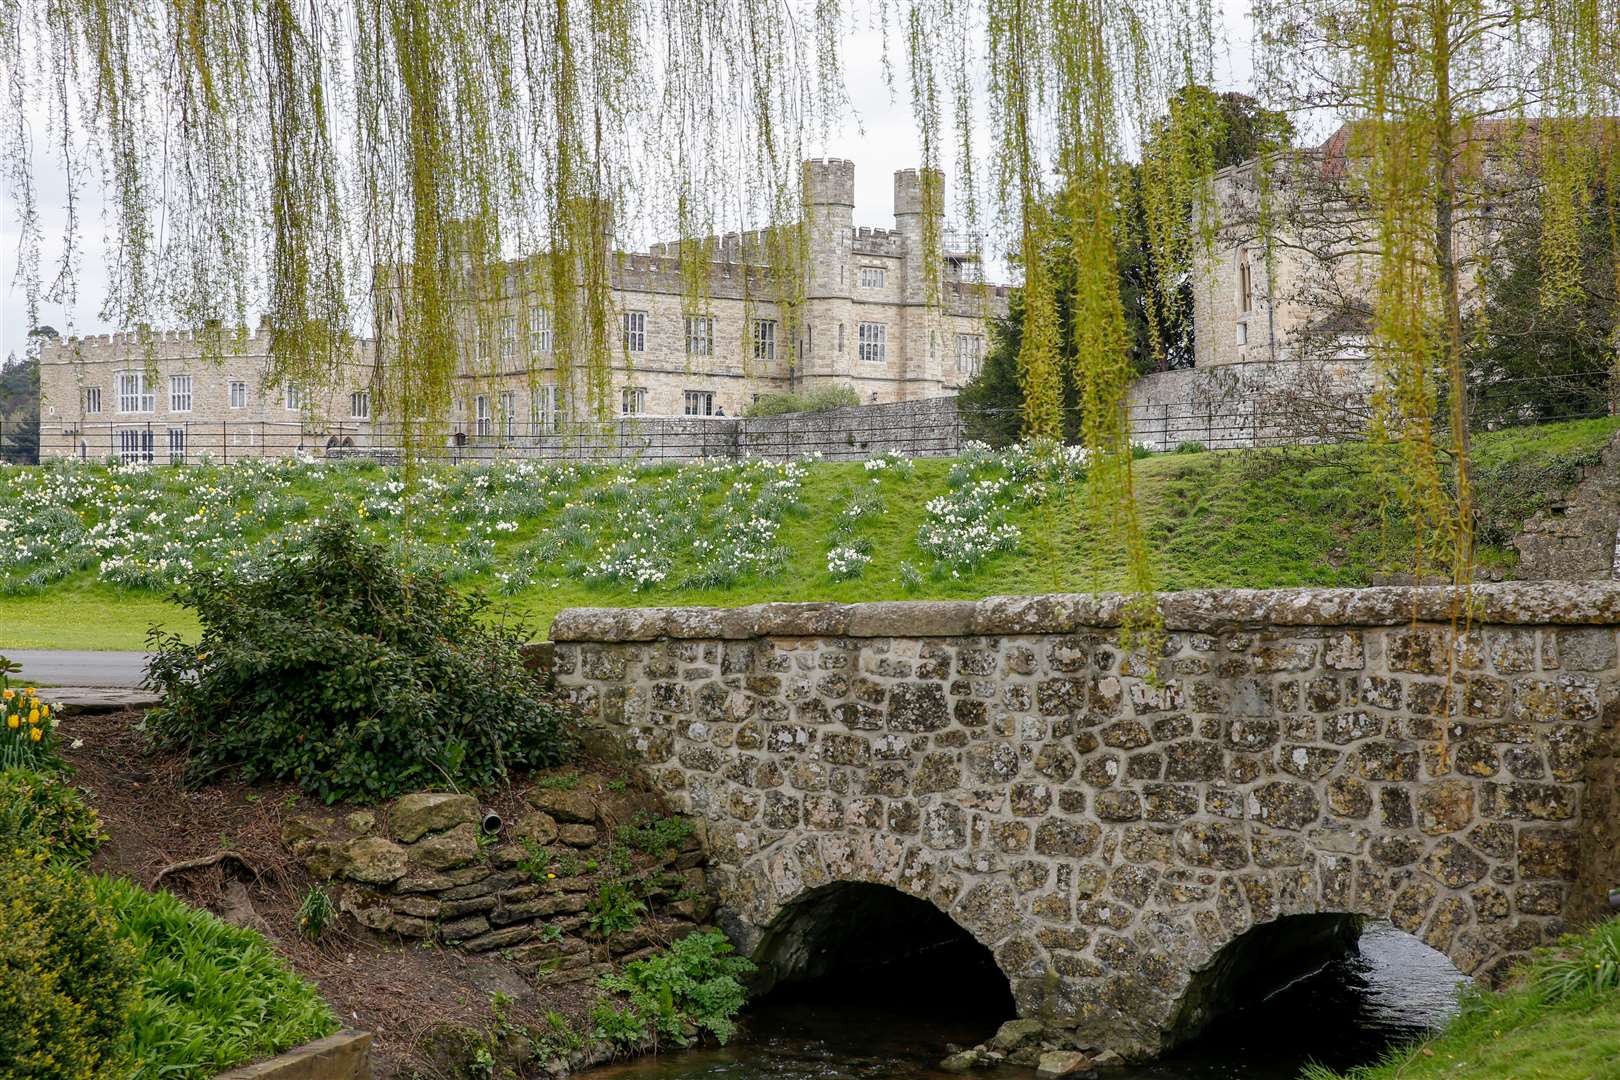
13, 720
30, 691
45, 711
34, 734
8, 693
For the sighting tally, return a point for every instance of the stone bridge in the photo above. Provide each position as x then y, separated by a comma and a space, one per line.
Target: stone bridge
1118, 828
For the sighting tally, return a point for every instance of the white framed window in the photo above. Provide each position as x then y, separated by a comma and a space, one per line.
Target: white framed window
293, 397
543, 412
874, 342
177, 446
481, 341
360, 405
872, 277
633, 400
135, 394
508, 339
92, 399
969, 351
539, 329
179, 393
508, 413
764, 339
635, 331
238, 395
135, 446
698, 402
699, 335
485, 423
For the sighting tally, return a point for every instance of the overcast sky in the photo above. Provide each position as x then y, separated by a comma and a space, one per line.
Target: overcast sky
884, 140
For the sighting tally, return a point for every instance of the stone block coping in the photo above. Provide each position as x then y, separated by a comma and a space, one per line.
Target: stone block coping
344, 1056
1521, 603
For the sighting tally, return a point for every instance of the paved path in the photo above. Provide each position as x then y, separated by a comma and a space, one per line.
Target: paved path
66, 667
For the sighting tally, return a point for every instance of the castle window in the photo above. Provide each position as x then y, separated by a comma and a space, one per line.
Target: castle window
969, 349
294, 397
360, 405
1242, 333
485, 424
874, 345
840, 337
764, 339
872, 277
633, 400
543, 413
238, 395
135, 394
135, 446
699, 335
92, 399
177, 446
508, 339
179, 393
635, 331
508, 413
1245, 284
539, 329
698, 402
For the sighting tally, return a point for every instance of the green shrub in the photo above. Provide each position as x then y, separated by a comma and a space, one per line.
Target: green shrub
67, 980
47, 813
337, 670
655, 835
822, 400
211, 996
316, 912
693, 983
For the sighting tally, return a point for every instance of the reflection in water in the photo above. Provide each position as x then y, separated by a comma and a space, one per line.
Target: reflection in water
1343, 1015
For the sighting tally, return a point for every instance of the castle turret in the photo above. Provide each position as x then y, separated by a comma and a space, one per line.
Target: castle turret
829, 203
914, 190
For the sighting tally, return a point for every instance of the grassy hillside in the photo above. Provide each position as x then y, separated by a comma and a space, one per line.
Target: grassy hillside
87, 553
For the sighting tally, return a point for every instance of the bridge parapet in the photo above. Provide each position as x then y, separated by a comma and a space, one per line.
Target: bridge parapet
1108, 822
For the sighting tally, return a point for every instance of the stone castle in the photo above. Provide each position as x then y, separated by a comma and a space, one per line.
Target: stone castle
866, 321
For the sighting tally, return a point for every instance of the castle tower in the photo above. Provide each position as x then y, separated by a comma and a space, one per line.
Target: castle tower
829, 206
912, 188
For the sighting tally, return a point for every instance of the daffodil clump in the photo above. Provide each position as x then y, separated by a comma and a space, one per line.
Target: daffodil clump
27, 728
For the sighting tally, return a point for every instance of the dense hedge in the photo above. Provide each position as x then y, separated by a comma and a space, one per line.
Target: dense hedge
334, 668
67, 980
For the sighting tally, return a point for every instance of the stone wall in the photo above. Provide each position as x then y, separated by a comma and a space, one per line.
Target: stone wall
1579, 536
1107, 822
927, 428
426, 869
1242, 406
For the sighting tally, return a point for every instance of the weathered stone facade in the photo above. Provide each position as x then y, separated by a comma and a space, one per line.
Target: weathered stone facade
1107, 822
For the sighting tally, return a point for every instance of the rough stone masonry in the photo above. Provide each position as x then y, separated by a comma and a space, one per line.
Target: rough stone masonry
1107, 822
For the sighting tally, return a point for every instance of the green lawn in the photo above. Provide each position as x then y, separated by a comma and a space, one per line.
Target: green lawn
1258, 519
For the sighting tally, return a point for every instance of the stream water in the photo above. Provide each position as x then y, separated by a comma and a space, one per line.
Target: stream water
1344, 1014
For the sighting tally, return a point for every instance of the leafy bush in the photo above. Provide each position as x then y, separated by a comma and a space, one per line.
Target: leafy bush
211, 996
335, 669
67, 980
694, 983
47, 813
822, 400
